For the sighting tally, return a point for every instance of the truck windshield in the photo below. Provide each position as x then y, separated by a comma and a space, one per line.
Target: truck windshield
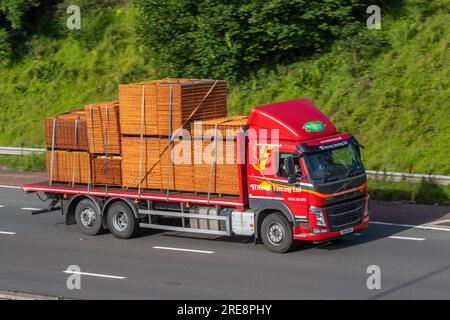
334, 164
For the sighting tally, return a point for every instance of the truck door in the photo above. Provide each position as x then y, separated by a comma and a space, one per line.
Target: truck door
268, 179
293, 194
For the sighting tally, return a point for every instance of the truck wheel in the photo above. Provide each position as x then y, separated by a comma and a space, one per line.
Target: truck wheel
276, 233
121, 221
88, 218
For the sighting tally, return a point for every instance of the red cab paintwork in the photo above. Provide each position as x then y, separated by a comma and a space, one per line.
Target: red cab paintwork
278, 128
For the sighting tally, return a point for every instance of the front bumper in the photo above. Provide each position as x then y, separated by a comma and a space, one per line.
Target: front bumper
299, 235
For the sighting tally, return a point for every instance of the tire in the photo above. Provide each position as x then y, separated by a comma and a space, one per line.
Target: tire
276, 233
121, 221
88, 218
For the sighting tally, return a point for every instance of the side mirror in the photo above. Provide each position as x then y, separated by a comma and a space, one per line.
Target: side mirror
290, 169
292, 179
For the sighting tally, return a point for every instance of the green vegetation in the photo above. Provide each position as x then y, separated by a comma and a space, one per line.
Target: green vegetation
424, 192
392, 92
67, 70
229, 39
26, 163
389, 87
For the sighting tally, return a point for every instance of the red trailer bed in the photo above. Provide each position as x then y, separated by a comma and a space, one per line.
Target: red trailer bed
111, 192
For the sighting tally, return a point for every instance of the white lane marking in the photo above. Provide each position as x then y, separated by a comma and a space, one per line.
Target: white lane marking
185, 250
443, 221
7, 233
30, 209
94, 275
422, 226
357, 234
2, 206
407, 238
9, 187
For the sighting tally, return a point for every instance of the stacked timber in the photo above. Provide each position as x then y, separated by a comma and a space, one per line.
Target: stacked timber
107, 170
103, 129
68, 131
177, 172
215, 155
128, 142
66, 139
150, 112
162, 106
85, 145
140, 162
137, 102
69, 166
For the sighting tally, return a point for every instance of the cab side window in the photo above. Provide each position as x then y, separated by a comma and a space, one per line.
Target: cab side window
282, 156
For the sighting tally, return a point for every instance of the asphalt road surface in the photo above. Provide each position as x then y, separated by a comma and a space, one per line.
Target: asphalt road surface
36, 250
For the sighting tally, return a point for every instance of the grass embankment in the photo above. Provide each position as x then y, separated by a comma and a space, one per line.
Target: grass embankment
395, 98
422, 192
67, 71
389, 87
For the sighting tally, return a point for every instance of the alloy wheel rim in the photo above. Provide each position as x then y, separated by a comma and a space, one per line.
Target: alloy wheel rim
87, 217
120, 221
275, 233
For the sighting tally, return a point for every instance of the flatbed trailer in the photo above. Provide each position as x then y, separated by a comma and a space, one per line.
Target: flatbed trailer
140, 203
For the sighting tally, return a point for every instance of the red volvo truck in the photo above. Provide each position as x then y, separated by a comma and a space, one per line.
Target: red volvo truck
299, 179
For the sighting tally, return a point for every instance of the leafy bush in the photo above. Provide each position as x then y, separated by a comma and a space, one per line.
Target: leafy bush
229, 38
5, 47
15, 10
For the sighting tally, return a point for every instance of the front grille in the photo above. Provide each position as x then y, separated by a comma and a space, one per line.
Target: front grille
345, 215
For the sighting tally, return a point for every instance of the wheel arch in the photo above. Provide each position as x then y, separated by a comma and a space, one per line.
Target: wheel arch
111, 201
73, 202
264, 207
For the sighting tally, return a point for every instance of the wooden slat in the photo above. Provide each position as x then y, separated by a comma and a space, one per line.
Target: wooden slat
103, 129
107, 172
186, 96
176, 175
224, 177
69, 164
65, 131
131, 156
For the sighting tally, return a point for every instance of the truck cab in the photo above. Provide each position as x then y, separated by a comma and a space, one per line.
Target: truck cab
302, 171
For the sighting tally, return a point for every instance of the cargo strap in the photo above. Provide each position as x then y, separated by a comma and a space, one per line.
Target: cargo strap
196, 108
52, 161
91, 119
212, 163
141, 140
182, 126
169, 139
106, 149
76, 145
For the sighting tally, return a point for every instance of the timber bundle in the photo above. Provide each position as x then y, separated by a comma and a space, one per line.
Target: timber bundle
132, 142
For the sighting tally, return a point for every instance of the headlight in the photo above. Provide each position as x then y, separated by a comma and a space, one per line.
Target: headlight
366, 207
318, 212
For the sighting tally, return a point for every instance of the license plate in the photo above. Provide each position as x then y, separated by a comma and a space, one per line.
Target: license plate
345, 231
